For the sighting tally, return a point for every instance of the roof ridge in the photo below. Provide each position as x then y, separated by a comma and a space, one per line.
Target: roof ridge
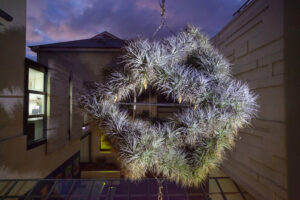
59, 42
105, 35
104, 40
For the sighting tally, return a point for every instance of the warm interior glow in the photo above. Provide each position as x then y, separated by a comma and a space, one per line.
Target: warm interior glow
36, 80
36, 104
104, 145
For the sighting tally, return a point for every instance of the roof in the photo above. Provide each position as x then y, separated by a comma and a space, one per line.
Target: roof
33, 63
104, 40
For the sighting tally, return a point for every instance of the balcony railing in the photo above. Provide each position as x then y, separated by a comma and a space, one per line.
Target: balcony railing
117, 189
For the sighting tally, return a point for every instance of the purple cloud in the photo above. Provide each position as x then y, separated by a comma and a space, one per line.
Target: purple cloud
61, 20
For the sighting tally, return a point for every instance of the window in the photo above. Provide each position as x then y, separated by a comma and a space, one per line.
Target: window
148, 106
104, 144
35, 104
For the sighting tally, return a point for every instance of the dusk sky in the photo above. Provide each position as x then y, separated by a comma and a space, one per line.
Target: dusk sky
50, 21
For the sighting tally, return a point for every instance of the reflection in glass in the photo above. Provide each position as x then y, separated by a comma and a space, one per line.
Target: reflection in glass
35, 128
36, 104
36, 80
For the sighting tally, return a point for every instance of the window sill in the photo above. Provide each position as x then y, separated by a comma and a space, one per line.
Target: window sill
105, 151
35, 143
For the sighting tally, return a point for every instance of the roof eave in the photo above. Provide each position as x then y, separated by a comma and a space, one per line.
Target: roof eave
37, 49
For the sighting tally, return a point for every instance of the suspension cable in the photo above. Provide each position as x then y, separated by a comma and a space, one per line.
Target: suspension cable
163, 18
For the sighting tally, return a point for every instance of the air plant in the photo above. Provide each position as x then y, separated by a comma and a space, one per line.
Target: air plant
187, 69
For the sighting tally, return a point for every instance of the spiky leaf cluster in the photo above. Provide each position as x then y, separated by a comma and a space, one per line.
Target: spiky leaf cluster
185, 68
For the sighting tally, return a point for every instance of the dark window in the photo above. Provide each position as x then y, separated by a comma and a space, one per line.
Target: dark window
149, 105
35, 103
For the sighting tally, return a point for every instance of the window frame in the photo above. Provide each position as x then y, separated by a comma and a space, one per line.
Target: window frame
36, 66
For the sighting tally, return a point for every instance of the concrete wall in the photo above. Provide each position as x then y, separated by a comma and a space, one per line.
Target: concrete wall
15, 160
254, 44
12, 48
65, 85
102, 158
91, 64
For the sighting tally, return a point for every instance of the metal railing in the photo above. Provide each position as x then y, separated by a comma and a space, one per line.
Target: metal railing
107, 189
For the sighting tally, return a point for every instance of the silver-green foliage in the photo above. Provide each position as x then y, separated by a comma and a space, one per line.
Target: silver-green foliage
186, 68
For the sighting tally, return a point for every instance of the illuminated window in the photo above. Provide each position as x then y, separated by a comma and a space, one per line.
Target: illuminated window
35, 104
36, 80
104, 144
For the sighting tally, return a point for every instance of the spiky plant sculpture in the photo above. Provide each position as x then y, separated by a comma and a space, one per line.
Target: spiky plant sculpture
188, 69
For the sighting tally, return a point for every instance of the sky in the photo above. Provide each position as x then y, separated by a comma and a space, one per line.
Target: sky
50, 21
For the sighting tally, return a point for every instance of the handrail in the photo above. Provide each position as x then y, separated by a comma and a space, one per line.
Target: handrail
111, 188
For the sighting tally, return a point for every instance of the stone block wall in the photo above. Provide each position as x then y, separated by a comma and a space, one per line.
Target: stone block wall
253, 42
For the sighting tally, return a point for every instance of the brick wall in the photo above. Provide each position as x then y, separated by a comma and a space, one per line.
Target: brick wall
253, 43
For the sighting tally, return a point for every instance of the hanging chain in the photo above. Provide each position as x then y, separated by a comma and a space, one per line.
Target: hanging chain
162, 14
162, 7
163, 18
160, 188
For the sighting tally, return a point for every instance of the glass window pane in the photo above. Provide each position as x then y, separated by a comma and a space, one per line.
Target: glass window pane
36, 104
4, 186
36, 80
35, 128
227, 185
21, 188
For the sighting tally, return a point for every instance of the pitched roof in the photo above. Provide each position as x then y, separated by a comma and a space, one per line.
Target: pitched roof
104, 40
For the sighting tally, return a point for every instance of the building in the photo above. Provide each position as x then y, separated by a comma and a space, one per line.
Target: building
258, 42
42, 130
28, 147
77, 62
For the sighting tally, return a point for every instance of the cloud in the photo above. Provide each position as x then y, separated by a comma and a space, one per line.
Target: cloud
60, 20
152, 5
35, 16
32, 33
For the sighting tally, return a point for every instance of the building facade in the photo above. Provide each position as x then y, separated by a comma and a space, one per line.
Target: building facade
42, 129
84, 61
258, 42
32, 109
